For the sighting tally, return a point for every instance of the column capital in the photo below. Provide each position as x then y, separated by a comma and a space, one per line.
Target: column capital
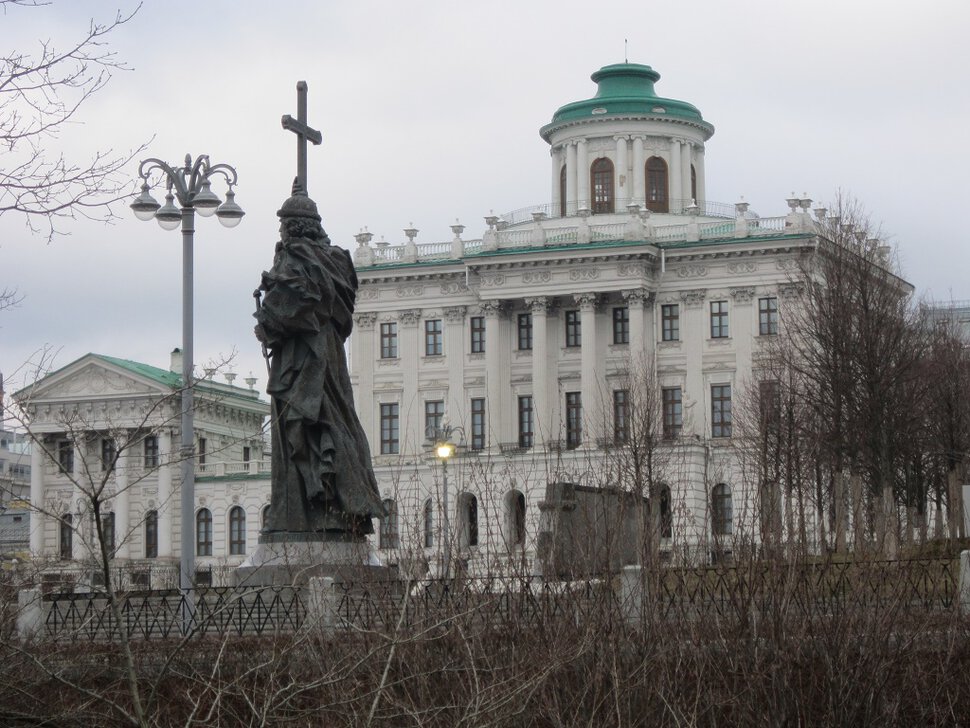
540, 304
587, 301
694, 298
492, 309
365, 320
742, 294
639, 297
455, 314
409, 317
620, 137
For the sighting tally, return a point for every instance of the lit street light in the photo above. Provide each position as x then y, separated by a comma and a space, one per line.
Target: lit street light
444, 449
190, 186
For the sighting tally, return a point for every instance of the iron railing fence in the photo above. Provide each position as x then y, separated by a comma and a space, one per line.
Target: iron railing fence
672, 595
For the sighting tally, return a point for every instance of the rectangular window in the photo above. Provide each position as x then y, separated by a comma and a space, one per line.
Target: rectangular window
670, 322
721, 410
526, 431
573, 329
108, 532
719, 320
525, 331
767, 316
574, 419
389, 341
202, 448
478, 334
478, 424
673, 411
769, 398
65, 456
621, 325
390, 432
151, 451
151, 535
434, 416
108, 454
247, 453
433, 338
621, 415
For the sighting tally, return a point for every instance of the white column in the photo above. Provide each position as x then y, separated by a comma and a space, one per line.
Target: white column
121, 504
593, 414
685, 170
363, 361
639, 171
694, 330
165, 505
544, 426
81, 505
38, 516
556, 154
699, 168
571, 179
496, 374
676, 183
638, 327
411, 411
621, 174
582, 174
455, 404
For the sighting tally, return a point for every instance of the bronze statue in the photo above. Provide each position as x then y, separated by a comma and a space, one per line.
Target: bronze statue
322, 481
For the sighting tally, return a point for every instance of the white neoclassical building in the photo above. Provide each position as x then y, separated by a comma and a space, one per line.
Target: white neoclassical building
526, 338
110, 428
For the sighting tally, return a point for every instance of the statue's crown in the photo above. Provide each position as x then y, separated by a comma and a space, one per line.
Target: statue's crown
299, 205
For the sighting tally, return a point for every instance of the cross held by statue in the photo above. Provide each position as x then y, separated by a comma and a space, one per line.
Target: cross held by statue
303, 133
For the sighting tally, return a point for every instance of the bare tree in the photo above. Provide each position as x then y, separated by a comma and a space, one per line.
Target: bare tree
41, 93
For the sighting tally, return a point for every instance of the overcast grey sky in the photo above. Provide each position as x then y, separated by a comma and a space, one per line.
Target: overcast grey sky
431, 110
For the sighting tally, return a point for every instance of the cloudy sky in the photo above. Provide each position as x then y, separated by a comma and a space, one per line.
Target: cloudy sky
430, 112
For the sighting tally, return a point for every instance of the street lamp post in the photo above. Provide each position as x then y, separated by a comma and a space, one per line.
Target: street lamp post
444, 449
190, 185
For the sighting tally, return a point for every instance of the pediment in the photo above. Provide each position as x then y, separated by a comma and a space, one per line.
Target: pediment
92, 380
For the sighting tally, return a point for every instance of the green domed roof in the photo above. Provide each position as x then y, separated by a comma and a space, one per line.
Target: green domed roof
625, 89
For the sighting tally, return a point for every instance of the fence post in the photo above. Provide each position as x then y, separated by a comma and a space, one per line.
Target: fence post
964, 595
631, 594
322, 602
30, 613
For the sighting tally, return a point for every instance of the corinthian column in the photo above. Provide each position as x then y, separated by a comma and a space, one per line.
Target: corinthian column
545, 426
593, 415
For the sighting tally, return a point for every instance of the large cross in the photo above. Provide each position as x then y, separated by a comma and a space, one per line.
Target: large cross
303, 133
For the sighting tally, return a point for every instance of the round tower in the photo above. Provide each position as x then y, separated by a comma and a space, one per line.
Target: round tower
626, 145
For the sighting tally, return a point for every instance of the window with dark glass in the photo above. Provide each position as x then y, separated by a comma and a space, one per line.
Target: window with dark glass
434, 416
66, 537
389, 340
693, 183
657, 185
573, 329
65, 456
574, 419
108, 532
237, 531
722, 510
721, 410
670, 322
478, 424
621, 415
203, 446
673, 411
562, 192
108, 453
203, 532
769, 399
525, 421
666, 513
390, 429
151, 451
601, 182
478, 334
621, 325
719, 319
470, 517
525, 331
428, 524
768, 316
388, 535
151, 535
433, 338
247, 453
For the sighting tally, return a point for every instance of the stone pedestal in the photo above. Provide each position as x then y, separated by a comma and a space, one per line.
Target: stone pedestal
291, 558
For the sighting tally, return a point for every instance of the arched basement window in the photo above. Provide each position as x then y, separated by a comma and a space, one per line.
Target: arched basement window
388, 534
469, 519
666, 514
515, 517
601, 182
203, 532
428, 524
722, 510
657, 197
237, 531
